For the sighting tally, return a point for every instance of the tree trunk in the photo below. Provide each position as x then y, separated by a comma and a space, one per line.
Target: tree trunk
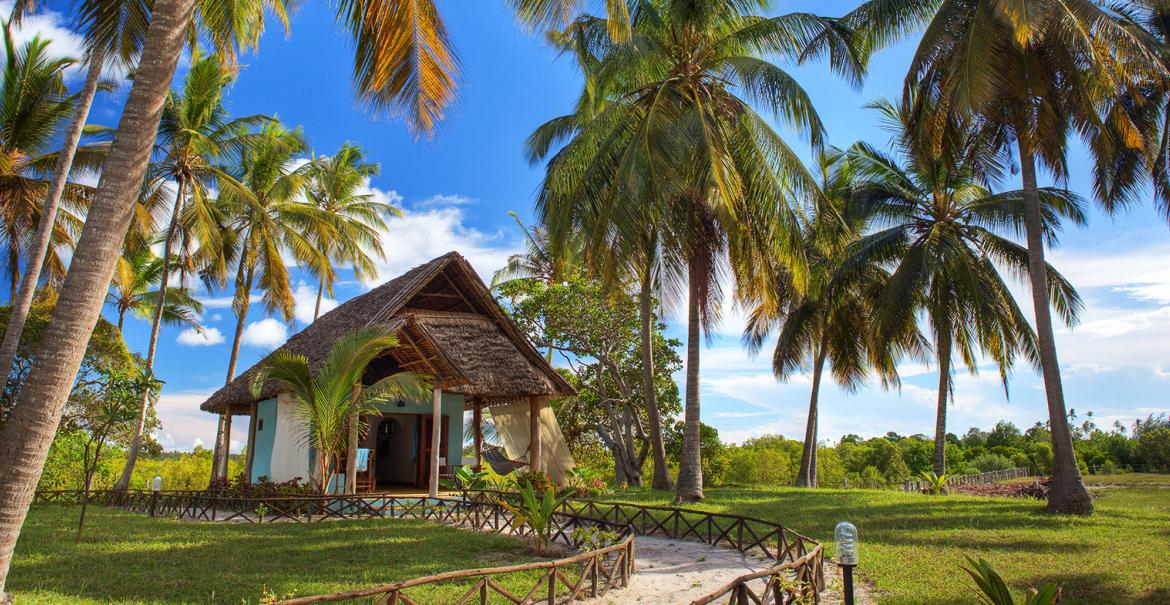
155, 326
24, 443
690, 471
661, 478
320, 292
944, 391
1068, 493
23, 296
218, 455
807, 475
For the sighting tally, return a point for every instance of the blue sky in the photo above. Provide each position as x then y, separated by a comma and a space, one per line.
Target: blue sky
456, 191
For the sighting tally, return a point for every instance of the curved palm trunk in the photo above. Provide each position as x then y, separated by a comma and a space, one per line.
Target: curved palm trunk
1068, 493
155, 326
661, 478
219, 460
320, 293
807, 475
690, 471
24, 443
23, 296
940, 419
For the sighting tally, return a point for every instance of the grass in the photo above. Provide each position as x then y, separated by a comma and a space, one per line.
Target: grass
1116, 480
128, 558
912, 545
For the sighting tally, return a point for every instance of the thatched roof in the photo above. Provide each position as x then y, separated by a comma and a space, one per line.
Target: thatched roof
447, 324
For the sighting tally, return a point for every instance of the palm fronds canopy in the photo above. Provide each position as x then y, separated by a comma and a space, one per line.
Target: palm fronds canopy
448, 325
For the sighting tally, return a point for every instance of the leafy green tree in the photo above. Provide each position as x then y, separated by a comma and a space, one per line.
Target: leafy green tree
940, 228
598, 337
329, 399
1153, 448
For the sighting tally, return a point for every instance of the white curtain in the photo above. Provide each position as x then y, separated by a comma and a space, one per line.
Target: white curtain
512, 426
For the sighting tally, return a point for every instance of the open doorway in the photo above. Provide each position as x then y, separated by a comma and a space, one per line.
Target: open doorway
395, 450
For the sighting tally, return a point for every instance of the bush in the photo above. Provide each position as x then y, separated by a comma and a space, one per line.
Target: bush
1153, 449
992, 462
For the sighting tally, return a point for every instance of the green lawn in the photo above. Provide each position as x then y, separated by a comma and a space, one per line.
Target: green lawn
912, 546
127, 558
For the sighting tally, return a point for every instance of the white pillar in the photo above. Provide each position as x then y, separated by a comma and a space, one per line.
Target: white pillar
436, 437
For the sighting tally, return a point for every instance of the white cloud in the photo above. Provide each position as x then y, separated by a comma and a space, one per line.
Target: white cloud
217, 302
423, 234
305, 299
267, 333
441, 200
184, 424
49, 25
195, 338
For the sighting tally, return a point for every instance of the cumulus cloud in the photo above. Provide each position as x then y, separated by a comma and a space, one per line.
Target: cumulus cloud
268, 333
194, 338
184, 425
305, 298
422, 233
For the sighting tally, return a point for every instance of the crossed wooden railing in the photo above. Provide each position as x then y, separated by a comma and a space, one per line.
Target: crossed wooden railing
797, 577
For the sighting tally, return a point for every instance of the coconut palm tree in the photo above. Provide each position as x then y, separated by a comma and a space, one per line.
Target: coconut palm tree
675, 133
329, 399
335, 185
942, 235
134, 290
34, 104
117, 29
267, 220
195, 132
829, 320
1035, 71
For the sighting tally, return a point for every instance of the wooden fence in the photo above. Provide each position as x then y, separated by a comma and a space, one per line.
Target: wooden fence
914, 485
797, 577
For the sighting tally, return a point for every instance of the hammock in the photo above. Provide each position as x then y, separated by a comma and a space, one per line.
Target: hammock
499, 460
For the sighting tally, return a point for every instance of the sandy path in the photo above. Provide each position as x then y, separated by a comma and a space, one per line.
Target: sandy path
675, 572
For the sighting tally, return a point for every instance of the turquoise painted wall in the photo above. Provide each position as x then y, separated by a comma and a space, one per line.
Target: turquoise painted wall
452, 406
265, 436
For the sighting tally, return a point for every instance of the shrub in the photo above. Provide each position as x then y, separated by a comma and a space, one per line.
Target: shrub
992, 462
996, 592
1153, 448
539, 481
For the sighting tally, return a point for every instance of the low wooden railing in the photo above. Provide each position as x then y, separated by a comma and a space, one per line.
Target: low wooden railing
915, 485
797, 577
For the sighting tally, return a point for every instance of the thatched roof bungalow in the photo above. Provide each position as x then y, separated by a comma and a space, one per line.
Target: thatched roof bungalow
449, 328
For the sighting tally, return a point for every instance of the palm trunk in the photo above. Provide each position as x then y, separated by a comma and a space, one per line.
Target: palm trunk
320, 292
807, 475
24, 443
690, 472
661, 478
219, 454
23, 296
944, 391
1068, 493
155, 326
121, 319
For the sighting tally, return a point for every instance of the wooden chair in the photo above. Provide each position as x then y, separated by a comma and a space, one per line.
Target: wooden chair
367, 481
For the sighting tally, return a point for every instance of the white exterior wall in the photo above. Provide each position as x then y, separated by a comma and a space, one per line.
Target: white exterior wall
290, 455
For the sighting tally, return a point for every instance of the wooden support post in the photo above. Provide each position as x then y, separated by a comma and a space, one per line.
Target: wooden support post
436, 438
534, 444
251, 451
477, 419
352, 446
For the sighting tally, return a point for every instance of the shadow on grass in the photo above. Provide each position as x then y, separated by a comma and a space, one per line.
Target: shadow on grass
132, 558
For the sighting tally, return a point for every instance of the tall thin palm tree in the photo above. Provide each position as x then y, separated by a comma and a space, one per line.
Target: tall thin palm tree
942, 235
195, 132
117, 30
267, 220
1036, 71
830, 320
676, 133
134, 290
335, 185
